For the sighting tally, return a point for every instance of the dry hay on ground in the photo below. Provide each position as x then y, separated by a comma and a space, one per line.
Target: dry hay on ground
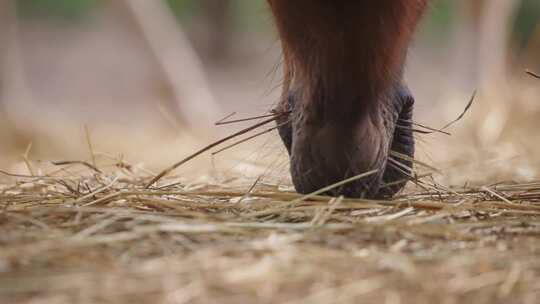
102, 237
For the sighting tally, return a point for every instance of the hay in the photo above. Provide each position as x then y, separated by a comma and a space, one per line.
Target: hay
103, 230
96, 234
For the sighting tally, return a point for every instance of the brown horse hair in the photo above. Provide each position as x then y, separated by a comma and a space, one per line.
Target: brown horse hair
341, 55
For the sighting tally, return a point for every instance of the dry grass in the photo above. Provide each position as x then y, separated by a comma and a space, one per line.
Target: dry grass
93, 232
84, 235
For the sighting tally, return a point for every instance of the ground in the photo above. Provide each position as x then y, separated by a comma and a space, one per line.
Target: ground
93, 231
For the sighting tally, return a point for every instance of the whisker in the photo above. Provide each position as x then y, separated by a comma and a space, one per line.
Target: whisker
211, 146
248, 139
224, 122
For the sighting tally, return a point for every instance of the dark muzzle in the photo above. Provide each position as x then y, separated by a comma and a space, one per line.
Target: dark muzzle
326, 153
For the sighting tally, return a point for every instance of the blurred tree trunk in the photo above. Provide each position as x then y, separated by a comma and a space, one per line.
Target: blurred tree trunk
13, 84
531, 53
482, 56
193, 103
482, 37
7, 37
495, 30
217, 16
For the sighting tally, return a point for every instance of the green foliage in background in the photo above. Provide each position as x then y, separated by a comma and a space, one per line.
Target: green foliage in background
251, 15
248, 15
184, 9
527, 21
70, 10
438, 23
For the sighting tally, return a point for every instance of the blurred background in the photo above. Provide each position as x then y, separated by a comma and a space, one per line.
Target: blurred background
146, 80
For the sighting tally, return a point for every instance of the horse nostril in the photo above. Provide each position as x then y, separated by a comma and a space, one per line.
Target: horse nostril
399, 166
284, 122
